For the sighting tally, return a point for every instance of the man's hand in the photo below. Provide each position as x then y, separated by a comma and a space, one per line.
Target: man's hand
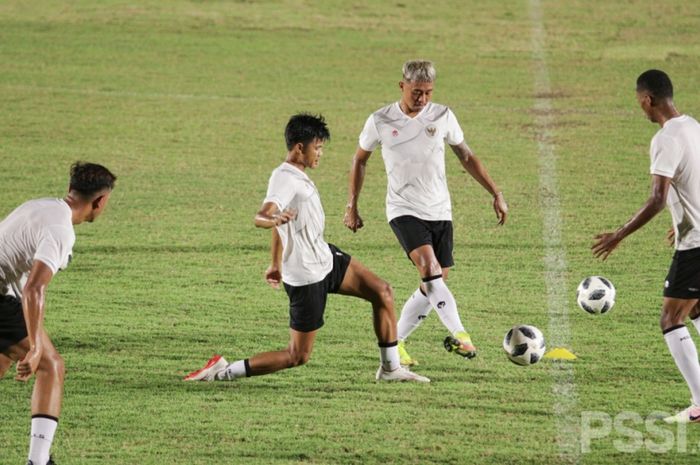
273, 276
352, 219
285, 217
500, 207
28, 365
605, 244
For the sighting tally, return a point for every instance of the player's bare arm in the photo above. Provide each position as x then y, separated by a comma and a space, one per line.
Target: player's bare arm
477, 170
352, 217
270, 216
273, 274
607, 242
33, 299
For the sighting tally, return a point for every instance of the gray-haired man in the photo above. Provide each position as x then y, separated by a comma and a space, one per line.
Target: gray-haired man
412, 133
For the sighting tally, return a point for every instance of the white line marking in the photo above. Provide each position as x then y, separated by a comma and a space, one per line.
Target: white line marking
564, 385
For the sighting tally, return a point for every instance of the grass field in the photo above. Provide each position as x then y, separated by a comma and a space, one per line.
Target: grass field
186, 102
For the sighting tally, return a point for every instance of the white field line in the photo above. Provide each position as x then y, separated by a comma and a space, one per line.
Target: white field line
563, 382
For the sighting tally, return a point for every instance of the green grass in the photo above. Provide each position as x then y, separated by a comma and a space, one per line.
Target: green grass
186, 102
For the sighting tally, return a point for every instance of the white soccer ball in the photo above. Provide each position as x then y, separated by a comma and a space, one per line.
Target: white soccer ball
595, 295
524, 344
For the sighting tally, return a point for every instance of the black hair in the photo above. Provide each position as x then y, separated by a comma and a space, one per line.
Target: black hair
657, 83
88, 179
304, 128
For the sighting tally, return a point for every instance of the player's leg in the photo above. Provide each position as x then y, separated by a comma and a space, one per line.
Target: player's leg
695, 316
47, 397
360, 282
441, 298
298, 352
683, 350
411, 233
5, 364
306, 308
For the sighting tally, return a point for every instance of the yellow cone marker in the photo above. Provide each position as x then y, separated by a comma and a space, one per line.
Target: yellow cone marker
559, 353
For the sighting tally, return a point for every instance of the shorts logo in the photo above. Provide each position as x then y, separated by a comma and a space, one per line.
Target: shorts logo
666, 284
441, 304
431, 130
693, 289
395, 132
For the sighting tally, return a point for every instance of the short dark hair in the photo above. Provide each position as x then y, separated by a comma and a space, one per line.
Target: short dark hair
88, 179
304, 128
656, 82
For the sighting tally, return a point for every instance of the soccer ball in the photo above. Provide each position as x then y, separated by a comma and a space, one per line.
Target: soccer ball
524, 344
595, 295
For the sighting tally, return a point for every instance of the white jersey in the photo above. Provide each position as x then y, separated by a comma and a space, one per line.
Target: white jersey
306, 258
36, 230
675, 154
413, 150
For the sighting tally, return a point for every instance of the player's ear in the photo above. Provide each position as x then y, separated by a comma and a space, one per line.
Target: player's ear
98, 201
299, 147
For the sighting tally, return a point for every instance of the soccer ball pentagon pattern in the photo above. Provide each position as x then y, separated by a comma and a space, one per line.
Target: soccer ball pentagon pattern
524, 344
595, 295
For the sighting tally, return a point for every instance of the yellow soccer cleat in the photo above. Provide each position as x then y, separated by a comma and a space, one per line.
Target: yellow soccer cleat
404, 359
460, 344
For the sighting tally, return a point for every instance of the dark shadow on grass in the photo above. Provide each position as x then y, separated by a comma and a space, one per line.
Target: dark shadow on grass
168, 249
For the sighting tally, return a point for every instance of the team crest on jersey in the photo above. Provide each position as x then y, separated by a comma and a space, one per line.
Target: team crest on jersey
395, 132
431, 130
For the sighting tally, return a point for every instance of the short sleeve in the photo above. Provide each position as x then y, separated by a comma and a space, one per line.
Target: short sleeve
665, 156
281, 189
453, 134
55, 248
369, 137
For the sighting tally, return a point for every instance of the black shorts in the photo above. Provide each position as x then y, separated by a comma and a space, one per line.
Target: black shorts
12, 326
683, 279
414, 232
307, 303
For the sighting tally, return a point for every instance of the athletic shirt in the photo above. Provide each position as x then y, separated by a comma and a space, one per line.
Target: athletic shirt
36, 230
675, 154
306, 258
413, 150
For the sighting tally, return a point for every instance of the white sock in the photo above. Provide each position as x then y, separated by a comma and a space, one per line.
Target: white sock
696, 323
685, 354
389, 356
414, 311
41, 437
237, 369
444, 304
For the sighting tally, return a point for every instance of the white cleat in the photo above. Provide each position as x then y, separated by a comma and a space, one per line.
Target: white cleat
400, 374
689, 415
215, 364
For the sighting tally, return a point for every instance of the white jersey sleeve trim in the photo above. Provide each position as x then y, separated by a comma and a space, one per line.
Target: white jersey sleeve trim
454, 135
666, 155
281, 189
369, 137
55, 248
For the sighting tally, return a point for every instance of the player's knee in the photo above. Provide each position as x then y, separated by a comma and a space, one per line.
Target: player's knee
386, 295
299, 358
53, 365
670, 317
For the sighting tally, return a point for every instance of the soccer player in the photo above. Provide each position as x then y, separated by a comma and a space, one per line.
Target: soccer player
36, 241
309, 268
412, 133
675, 181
